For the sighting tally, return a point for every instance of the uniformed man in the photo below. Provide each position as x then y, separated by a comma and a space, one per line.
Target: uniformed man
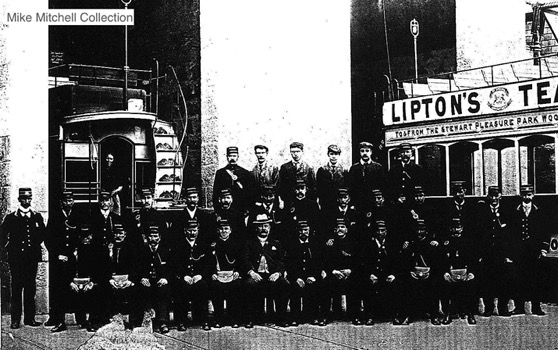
155, 275
84, 289
62, 237
123, 275
22, 233
365, 176
459, 207
194, 212
263, 266
269, 205
493, 246
419, 210
378, 272
143, 219
404, 174
302, 209
192, 272
420, 264
330, 178
344, 209
264, 174
531, 229
237, 179
103, 220
296, 169
341, 261
225, 211
304, 266
225, 283
459, 265
380, 210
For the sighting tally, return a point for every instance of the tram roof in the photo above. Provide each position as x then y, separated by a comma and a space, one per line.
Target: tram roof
108, 115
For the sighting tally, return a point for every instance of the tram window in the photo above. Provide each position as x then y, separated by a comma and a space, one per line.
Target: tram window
462, 166
433, 160
537, 159
80, 171
500, 164
145, 175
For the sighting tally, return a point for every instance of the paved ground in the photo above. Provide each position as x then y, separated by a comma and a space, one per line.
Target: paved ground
518, 332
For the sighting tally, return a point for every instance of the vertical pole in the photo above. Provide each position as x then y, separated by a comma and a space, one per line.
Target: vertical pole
416, 60
126, 68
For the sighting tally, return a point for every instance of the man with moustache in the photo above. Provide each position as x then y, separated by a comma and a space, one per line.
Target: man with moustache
263, 266
225, 211
193, 212
103, 220
269, 205
21, 234
404, 174
237, 179
343, 209
146, 217
225, 282
365, 176
155, 276
191, 272
302, 209
62, 237
264, 174
294, 170
329, 179
459, 207
305, 275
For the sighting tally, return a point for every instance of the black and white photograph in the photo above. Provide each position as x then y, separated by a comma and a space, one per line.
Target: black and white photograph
263, 174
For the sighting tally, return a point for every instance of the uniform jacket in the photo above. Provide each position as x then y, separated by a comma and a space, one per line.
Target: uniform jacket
102, 228
329, 219
60, 239
328, 180
191, 260
288, 174
227, 253
253, 251
206, 221
123, 259
89, 261
495, 241
235, 218
22, 236
530, 232
304, 260
241, 186
464, 211
377, 259
157, 264
343, 254
364, 179
458, 253
405, 179
421, 254
306, 210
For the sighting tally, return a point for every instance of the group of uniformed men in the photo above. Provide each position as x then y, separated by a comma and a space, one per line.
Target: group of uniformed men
305, 240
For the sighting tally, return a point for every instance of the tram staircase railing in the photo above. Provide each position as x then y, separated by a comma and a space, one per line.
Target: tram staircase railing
492, 75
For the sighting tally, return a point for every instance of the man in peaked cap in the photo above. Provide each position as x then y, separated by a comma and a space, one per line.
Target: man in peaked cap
61, 239
405, 174
293, 170
194, 212
144, 218
343, 209
459, 207
365, 176
263, 266
419, 209
22, 233
329, 178
530, 227
269, 205
302, 208
226, 211
237, 179
103, 220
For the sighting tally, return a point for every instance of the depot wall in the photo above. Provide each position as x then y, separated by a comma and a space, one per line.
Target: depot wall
274, 72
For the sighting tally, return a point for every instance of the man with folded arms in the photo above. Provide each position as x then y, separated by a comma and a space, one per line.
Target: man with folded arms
262, 263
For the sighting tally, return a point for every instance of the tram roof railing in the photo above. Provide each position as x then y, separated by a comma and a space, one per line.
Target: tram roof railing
99, 75
497, 74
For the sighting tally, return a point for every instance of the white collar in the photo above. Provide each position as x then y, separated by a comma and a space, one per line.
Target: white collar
363, 162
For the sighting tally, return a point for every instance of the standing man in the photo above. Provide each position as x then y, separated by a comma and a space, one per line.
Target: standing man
103, 220
330, 178
61, 240
459, 206
365, 176
302, 209
404, 175
235, 178
294, 170
113, 182
193, 212
530, 228
22, 233
264, 174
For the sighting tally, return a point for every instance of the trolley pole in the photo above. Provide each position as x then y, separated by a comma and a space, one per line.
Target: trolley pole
415, 32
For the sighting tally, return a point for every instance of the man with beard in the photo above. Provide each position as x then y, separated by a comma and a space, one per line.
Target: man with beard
225, 280
262, 262
404, 175
225, 211
340, 265
113, 183
193, 212
496, 265
103, 220
530, 229
123, 276
270, 206
420, 265
61, 240
378, 272
264, 174
365, 176
302, 209
22, 233
237, 179
191, 271
330, 178
155, 275
86, 280
291, 172
305, 274
459, 295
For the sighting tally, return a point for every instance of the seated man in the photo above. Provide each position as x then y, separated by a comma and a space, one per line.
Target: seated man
225, 280
305, 275
191, 272
262, 262
341, 262
155, 274
459, 287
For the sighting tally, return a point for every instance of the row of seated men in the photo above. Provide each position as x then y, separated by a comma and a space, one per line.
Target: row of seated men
398, 260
